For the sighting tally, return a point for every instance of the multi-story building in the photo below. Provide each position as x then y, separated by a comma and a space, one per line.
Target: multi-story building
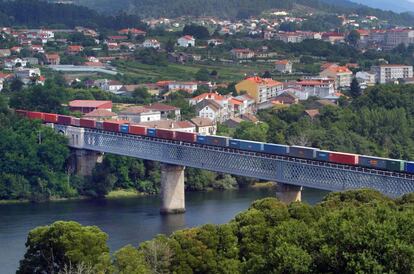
242, 53
186, 86
395, 37
139, 114
284, 66
260, 89
151, 43
390, 73
342, 75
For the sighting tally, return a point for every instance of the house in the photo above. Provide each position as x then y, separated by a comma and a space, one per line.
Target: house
74, 49
186, 41
12, 63
27, 75
311, 113
112, 86
242, 53
167, 111
190, 87
260, 89
101, 115
133, 32
341, 74
37, 49
286, 98
185, 126
211, 109
391, 73
317, 87
284, 66
204, 126
333, 37
86, 106
52, 58
5, 53
138, 114
215, 42
151, 43
233, 122
365, 79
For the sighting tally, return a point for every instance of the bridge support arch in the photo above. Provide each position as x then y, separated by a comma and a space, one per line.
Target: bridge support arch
172, 189
288, 193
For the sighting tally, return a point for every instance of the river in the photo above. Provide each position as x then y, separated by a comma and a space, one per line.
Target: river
127, 220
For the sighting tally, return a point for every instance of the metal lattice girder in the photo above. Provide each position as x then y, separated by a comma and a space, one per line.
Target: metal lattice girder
275, 168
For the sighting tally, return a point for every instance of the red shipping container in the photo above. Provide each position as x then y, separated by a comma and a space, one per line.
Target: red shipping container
21, 112
50, 118
75, 122
87, 123
111, 126
165, 134
35, 115
185, 136
137, 130
343, 158
64, 120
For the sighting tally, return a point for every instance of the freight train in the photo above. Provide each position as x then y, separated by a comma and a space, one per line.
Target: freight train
308, 153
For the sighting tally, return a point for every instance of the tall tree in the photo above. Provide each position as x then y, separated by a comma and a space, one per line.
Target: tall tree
355, 89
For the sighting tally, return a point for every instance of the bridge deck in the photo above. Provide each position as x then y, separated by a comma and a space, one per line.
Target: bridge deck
288, 170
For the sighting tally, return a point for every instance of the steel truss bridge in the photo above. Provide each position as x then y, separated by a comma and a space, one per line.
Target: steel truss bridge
281, 169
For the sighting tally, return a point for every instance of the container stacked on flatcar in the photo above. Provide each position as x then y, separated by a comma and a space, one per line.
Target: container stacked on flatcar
303, 152
186, 136
88, 123
343, 158
64, 120
276, 149
137, 130
165, 134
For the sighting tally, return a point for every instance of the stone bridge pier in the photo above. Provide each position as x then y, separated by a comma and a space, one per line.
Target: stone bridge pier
172, 189
85, 161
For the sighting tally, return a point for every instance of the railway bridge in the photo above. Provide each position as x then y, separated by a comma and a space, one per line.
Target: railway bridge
290, 173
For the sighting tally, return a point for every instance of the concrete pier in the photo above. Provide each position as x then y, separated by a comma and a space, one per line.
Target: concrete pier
172, 189
86, 160
288, 193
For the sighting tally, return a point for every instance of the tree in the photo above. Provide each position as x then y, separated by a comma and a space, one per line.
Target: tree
197, 31
50, 248
267, 74
353, 37
169, 46
129, 260
141, 95
252, 131
16, 85
202, 75
355, 90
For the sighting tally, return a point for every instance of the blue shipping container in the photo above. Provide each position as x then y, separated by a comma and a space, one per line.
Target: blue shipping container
217, 140
322, 155
251, 145
124, 128
303, 152
234, 143
409, 167
276, 149
201, 139
152, 132
374, 162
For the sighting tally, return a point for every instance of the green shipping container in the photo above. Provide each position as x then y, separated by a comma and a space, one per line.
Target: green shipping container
395, 165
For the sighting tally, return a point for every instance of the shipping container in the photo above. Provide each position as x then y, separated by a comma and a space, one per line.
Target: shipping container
234, 143
124, 128
99, 125
373, 162
186, 136
21, 112
251, 145
64, 120
343, 158
395, 165
152, 132
111, 126
165, 134
75, 122
322, 155
303, 152
276, 149
137, 130
201, 139
35, 115
50, 117
88, 123
221, 141
409, 167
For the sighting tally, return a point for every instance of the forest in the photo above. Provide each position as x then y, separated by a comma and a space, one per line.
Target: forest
238, 8
359, 231
36, 13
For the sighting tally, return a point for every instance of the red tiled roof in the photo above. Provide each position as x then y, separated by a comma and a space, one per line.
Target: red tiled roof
88, 103
100, 113
264, 81
161, 107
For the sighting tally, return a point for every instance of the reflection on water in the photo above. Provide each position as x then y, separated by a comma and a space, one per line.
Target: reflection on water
127, 221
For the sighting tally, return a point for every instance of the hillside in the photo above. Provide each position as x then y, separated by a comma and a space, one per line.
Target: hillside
397, 6
235, 8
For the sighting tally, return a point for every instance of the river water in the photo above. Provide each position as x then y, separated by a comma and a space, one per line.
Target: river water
128, 220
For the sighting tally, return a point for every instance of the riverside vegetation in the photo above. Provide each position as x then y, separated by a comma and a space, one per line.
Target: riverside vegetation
358, 231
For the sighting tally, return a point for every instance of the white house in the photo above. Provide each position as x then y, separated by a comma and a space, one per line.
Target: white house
13, 62
151, 43
139, 114
212, 110
365, 78
186, 41
187, 86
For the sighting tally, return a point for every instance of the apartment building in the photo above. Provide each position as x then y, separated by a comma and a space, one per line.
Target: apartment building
390, 73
